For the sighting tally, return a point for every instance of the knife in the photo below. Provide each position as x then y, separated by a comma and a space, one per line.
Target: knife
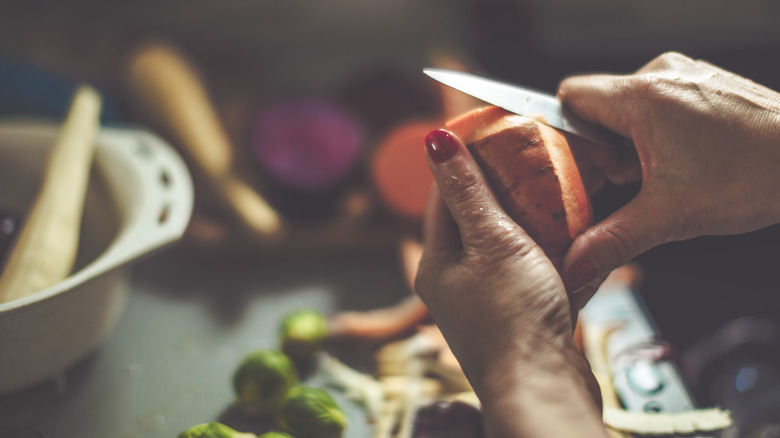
528, 102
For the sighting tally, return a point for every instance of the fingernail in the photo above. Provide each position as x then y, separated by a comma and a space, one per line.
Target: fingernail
580, 274
441, 145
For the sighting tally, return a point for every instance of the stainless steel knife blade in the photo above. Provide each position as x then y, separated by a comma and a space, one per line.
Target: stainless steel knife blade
528, 102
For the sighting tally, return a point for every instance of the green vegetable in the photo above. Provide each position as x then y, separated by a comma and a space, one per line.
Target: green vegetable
263, 379
311, 413
213, 430
275, 435
302, 333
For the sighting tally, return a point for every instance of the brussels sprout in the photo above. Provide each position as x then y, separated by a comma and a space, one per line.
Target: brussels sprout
275, 434
311, 413
263, 379
302, 333
213, 430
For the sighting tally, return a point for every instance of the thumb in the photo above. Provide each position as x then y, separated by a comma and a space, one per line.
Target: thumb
636, 227
600, 98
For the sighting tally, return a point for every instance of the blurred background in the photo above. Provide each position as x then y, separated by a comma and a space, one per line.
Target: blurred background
267, 64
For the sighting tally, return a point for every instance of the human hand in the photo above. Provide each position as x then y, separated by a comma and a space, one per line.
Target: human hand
708, 142
501, 305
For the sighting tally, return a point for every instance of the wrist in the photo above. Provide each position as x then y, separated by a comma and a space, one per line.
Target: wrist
549, 393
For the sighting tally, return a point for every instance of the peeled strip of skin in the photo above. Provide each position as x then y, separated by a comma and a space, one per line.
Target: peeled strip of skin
360, 387
387, 400
595, 340
396, 386
413, 398
388, 420
446, 365
430, 347
392, 359
667, 423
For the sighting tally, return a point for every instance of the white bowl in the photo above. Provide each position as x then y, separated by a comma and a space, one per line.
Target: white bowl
139, 199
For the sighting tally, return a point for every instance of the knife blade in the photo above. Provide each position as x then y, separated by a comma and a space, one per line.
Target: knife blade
528, 102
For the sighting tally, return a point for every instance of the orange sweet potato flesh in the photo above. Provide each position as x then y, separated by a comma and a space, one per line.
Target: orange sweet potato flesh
533, 173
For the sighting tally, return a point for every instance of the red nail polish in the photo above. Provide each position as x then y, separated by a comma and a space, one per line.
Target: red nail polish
441, 145
580, 274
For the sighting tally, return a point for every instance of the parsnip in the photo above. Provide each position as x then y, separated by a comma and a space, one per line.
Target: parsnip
169, 89
46, 249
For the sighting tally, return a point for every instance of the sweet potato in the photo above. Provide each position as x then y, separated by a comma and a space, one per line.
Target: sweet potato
533, 173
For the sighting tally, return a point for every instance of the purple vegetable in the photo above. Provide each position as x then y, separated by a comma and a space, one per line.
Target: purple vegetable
308, 145
450, 420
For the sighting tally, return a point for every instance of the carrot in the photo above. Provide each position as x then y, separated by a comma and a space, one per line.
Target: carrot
389, 321
379, 323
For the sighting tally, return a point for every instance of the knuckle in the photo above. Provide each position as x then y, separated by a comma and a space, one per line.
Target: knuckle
669, 60
651, 85
656, 91
662, 75
672, 57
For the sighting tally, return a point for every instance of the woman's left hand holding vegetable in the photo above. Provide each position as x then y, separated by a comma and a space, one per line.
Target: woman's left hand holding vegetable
502, 306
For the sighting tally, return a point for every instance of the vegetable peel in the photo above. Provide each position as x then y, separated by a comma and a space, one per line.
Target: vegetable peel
667, 423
